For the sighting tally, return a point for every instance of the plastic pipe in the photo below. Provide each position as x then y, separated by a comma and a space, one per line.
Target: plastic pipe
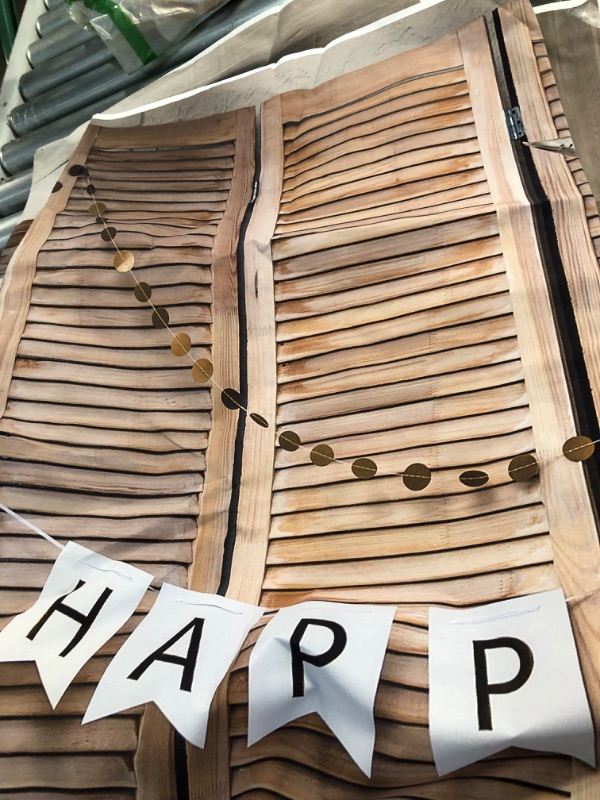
14, 193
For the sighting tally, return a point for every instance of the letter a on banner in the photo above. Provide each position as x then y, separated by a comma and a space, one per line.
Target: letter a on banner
85, 601
177, 657
323, 657
506, 674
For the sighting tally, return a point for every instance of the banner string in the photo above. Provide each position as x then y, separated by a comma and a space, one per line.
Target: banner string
573, 599
31, 526
581, 597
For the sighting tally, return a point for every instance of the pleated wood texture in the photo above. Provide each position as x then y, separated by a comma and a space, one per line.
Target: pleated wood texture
562, 179
104, 436
411, 324
561, 127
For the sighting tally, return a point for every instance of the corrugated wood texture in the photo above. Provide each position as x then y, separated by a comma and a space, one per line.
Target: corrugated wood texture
561, 126
572, 37
573, 207
406, 307
104, 436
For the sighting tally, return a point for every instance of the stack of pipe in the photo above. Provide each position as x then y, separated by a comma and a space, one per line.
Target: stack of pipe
73, 77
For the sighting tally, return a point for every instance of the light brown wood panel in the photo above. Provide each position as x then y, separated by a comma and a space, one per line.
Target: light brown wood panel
469, 194
140, 551
495, 322
479, 589
68, 772
102, 459
101, 396
324, 344
574, 241
65, 735
423, 337
406, 539
342, 167
153, 339
379, 292
104, 434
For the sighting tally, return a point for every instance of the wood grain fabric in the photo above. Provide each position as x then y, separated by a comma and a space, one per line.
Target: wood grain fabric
104, 434
397, 306
412, 324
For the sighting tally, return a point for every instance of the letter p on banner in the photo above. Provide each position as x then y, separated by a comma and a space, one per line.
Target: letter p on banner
323, 657
506, 674
84, 602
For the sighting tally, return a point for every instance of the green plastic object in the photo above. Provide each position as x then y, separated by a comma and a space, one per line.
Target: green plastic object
125, 24
8, 26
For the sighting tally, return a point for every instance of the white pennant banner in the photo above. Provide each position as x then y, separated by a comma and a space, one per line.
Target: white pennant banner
506, 674
323, 657
176, 658
84, 602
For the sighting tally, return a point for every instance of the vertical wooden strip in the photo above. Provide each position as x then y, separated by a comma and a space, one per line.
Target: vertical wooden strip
259, 444
572, 524
15, 294
154, 761
208, 769
574, 242
205, 571
211, 767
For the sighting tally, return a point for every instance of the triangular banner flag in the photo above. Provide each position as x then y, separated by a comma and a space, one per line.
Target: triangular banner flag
506, 674
176, 658
84, 602
323, 657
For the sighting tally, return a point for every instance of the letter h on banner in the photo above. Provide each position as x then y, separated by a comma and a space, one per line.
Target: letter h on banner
506, 674
84, 602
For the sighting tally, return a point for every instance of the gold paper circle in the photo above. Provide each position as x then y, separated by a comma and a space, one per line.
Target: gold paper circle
259, 420
181, 345
123, 261
77, 170
97, 209
290, 441
474, 478
321, 455
202, 370
160, 317
231, 399
523, 468
108, 234
579, 448
142, 292
364, 468
416, 477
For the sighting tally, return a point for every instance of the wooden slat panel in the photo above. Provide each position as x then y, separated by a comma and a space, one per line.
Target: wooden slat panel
405, 337
103, 433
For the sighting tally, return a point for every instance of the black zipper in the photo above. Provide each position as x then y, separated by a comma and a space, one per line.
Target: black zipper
229, 544
179, 743
573, 359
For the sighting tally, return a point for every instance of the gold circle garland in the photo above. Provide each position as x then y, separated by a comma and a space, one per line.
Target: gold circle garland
202, 370
523, 468
322, 455
181, 344
579, 448
416, 477
364, 468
